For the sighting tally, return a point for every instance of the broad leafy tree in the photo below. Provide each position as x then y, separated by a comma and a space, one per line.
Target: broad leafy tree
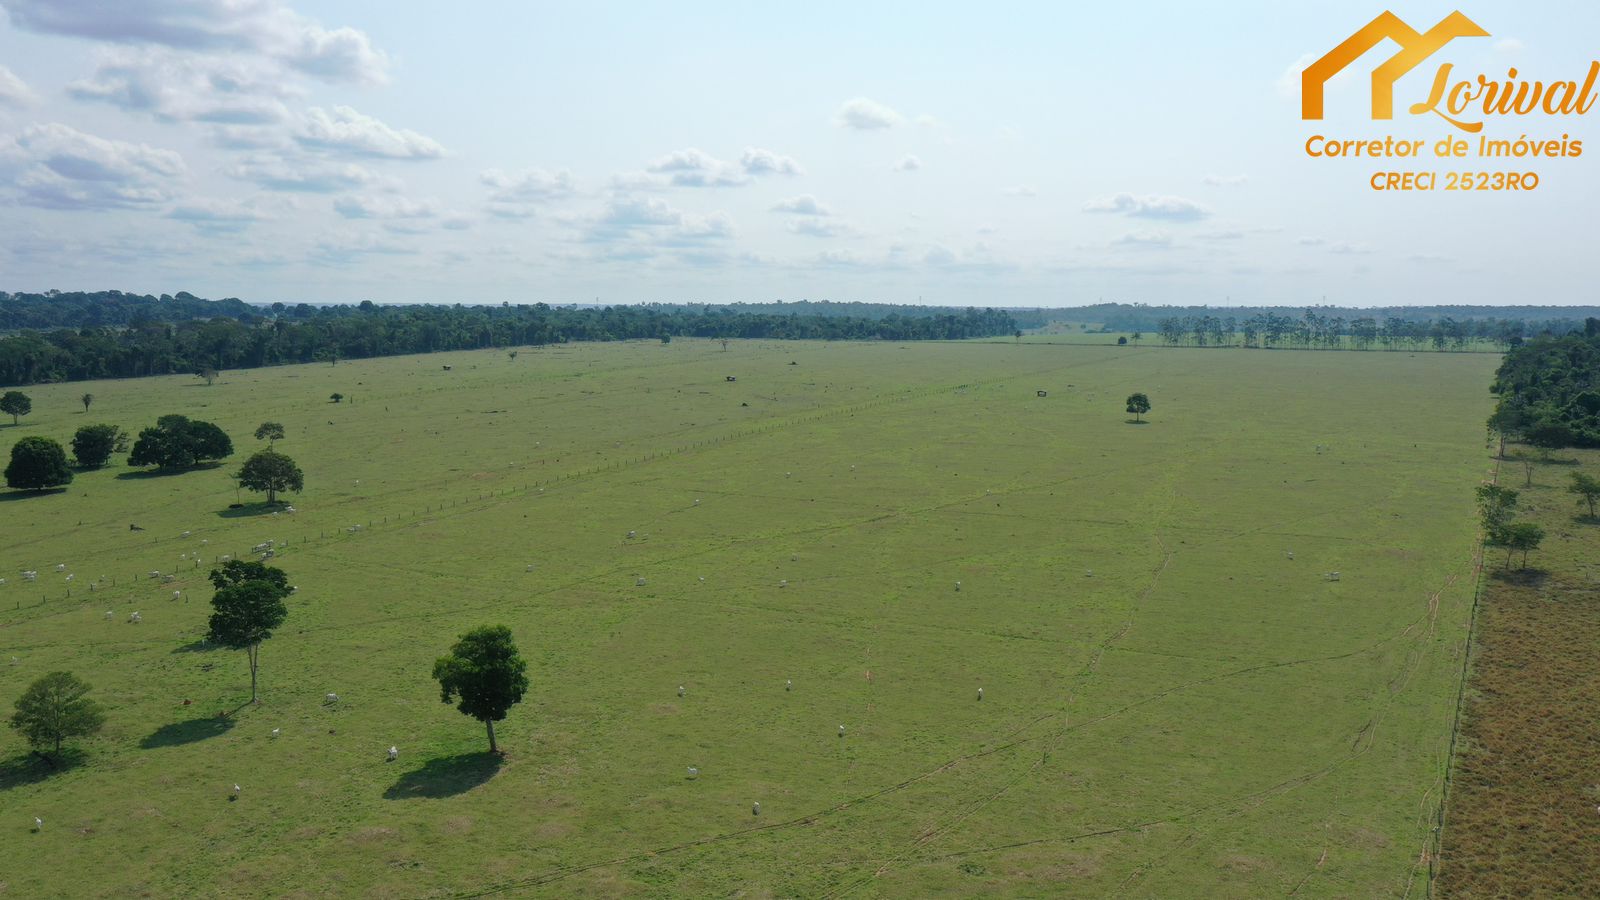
16, 404
37, 463
1496, 506
93, 445
272, 472
246, 608
86, 399
1138, 404
54, 709
270, 432
178, 442
486, 672
1523, 537
1587, 487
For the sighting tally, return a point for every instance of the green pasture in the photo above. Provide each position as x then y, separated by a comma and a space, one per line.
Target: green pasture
1172, 705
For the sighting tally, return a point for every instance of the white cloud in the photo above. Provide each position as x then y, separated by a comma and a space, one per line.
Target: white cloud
1144, 240
315, 177
14, 92
694, 168
173, 86
812, 226
1226, 180
211, 215
757, 161
528, 185
268, 28
358, 206
1172, 209
343, 130
1020, 190
866, 115
343, 247
803, 205
59, 167
907, 163
632, 222
518, 195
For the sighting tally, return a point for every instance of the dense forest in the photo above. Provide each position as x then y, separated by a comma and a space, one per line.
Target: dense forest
1549, 390
1480, 321
1315, 330
235, 335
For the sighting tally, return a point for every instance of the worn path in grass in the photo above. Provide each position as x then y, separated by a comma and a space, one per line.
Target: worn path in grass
1172, 705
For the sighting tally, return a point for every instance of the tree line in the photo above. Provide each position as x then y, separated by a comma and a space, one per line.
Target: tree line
1549, 391
281, 334
1481, 322
1325, 330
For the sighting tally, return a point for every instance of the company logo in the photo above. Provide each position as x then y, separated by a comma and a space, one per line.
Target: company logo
1414, 48
1451, 101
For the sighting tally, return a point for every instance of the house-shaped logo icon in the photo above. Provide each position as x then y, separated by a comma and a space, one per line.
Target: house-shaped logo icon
1414, 48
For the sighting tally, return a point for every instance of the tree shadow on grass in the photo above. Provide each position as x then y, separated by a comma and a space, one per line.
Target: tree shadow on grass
179, 733
197, 646
1586, 520
167, 473
1529, 577
252, 509
1136, 421
32, 768
9, 496
445, 777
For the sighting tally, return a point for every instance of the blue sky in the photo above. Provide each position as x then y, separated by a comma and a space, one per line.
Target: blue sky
1007, 154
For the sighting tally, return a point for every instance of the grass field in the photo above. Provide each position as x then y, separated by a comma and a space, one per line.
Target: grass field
1524, 810
1200, 715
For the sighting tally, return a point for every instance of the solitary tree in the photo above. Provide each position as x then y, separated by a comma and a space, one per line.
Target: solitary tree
1138, 404
54, 709
272, 472
86, 400
37, 463
209, 374
336, 396
269, 432
1523, 537
247, 606
486, 672
1496, 506
1017, 335
16, 403
1587, 487
93, 445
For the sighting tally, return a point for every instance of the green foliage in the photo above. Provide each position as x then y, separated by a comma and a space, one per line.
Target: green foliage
178, 442
486, 672
246, 608
37, 463
272, 472
336, 396
169, 337
1587, 487
1496, 506
86, 399
1524, 537
54, 709
269, 432
1138, 404
93, 445
1548, 393
15, 404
